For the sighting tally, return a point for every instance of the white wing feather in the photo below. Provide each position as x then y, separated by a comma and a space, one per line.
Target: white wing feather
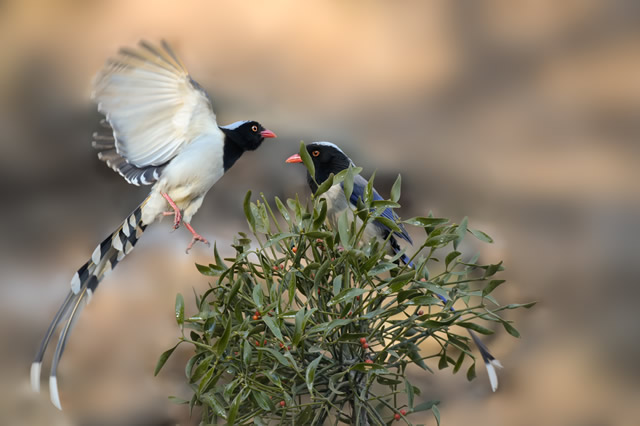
152, 104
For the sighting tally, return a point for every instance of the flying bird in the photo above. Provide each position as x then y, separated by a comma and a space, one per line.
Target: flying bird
161, 131
328, 158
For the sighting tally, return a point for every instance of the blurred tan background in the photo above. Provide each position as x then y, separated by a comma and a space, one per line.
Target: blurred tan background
524, 116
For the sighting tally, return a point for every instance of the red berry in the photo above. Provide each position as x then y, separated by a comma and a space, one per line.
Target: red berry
294, 249
265, 342
319, 291
289, 347
281, 345
420, 312
423, 279
319, 240
257, 343
363, 340
365, 346
255, 318
282, 403
275, 268
357, 297
396, 416
403, 412
368, 361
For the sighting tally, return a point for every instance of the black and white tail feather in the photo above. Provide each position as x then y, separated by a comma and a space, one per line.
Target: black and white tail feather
490, 362
83, 284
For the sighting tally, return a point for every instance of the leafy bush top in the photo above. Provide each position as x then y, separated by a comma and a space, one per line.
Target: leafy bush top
308, 325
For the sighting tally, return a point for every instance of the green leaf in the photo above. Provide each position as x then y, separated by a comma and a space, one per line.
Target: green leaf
306, 160
440, 240
388, 223
279, 238
311, 373
426, 405
297, 335
246, 352
235, 406
450, 257
247, 211
491, 286
475, 327
322, 215
345, 295
460, 232
395, 189
343, 229
179, 309
348, 182
471, 372
223, 341
163, 358
258, 296
381, 268
408, 388
277, 355
456, 367
511, 329
201, 369
481, 235
426, 221
324, 186
261, 399
213, 402
436, 414
271, 323
283, 210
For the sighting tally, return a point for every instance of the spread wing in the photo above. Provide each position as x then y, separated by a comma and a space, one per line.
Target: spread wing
152, 105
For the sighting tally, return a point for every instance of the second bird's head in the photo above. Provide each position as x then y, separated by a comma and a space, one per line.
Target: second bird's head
247, 135
327, 158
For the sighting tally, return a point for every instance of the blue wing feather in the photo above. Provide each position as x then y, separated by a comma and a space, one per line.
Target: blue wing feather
359, 187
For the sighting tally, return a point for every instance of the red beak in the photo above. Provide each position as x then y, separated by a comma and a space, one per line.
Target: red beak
267, 134
295, 158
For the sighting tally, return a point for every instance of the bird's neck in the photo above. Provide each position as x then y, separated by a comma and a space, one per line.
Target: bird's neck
322, 173
231, 152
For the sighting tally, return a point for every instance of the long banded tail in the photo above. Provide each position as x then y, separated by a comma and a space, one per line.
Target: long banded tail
83, 284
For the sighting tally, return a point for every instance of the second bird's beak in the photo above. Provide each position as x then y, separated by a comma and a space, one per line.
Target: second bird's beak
267, 134
295, 158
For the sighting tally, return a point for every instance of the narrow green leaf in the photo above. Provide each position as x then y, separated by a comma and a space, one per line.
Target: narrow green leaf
440, 240
348, 182
222, 342
271, 323
426, 221
460, 232
277, 355
201, 369
471, 372
346, 295
283, 210
395, 189
381, 268
456, 367
324, 186
408, 388
321, 216
163, 359
450, 257
306, 160
388, 223
491, 286
475, 327
426, 405
235, 406
258, 296
436, 414
343, 229
246, 353
211, 400
247, 211
481, 235
311, 373
297, 335
511, 329
179, 309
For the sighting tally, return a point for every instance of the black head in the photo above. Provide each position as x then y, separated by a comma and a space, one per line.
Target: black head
242, 136
327, 158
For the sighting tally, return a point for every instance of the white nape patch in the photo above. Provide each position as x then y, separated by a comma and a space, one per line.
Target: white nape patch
53, 391
125, 229
35, 376
333, 145
234, 126
75, 283
95, 257
493, 377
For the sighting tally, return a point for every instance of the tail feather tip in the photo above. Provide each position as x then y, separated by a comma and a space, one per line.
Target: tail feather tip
35, 376
493, 376
53, 391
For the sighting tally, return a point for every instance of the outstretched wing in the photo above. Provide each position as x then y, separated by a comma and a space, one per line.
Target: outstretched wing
359, 186
152, 105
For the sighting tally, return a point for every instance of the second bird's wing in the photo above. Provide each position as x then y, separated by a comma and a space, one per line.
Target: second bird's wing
153, 106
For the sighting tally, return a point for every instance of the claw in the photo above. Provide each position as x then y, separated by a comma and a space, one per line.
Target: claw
176, 211
196, 237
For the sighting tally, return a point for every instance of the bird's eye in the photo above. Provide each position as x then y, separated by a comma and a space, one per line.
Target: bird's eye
315, 153
254, 128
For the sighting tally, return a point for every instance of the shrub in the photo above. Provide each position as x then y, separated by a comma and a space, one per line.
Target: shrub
307, 325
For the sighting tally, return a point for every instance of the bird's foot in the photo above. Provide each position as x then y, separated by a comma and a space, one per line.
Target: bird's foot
176, 211
196, 237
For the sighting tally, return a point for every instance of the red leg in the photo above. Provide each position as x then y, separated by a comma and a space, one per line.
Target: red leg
196, 237
176, 211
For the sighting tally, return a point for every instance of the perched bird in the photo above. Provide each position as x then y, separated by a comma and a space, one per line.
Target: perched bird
329, 158
162, 131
